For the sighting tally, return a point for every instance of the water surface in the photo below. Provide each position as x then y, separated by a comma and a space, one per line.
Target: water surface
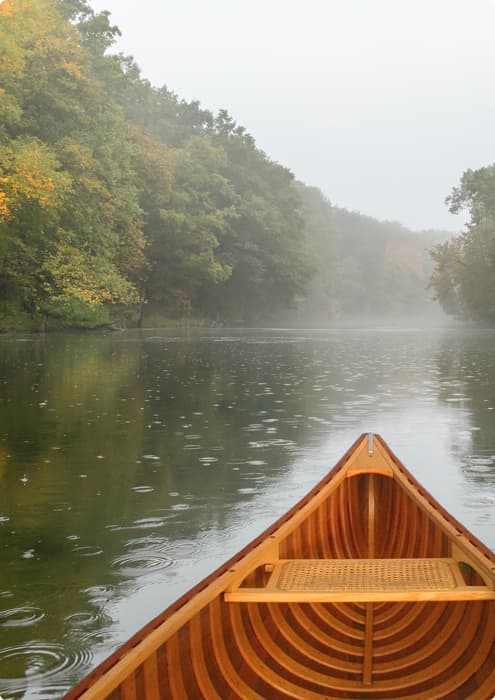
132, 464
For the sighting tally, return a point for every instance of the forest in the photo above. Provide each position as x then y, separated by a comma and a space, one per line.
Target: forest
123, 205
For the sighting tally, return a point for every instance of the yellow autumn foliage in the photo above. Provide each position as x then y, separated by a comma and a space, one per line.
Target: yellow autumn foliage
31, 32
74, 274
5, 8
73, 71
4, 206
30, 174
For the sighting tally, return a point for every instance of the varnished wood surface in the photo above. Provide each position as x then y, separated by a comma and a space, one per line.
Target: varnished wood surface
368, 507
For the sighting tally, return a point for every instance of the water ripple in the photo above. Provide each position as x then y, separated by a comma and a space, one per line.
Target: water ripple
83, 619
150, 542
99, 594
24, 616
145, 562
35, 663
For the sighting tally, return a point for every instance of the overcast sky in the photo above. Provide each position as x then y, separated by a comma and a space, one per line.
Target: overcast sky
382, 104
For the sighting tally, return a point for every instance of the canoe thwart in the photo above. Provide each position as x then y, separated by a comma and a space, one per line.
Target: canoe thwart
362, 580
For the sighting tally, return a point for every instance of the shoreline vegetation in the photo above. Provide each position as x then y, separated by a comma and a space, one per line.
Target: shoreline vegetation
121, 204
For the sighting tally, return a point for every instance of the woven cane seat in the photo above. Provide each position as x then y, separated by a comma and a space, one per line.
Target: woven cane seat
365, 575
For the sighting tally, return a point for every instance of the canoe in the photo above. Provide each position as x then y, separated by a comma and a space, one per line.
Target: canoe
367, 588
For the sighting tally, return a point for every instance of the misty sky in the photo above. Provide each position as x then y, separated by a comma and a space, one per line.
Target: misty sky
382, 104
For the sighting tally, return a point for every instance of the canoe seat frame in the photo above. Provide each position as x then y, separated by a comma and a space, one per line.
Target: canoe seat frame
361, 581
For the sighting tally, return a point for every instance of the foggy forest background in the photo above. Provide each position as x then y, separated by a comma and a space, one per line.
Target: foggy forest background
123, 205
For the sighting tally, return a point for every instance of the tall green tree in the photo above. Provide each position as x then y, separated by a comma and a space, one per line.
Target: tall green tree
464, 276
265, 246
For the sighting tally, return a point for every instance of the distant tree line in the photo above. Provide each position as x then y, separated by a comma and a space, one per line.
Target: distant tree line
363, 267
119, 202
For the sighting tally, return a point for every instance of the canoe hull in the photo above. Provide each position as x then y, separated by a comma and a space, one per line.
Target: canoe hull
209, 645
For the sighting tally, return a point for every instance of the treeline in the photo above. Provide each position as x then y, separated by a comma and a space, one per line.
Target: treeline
464, 276
117, 197
121, 203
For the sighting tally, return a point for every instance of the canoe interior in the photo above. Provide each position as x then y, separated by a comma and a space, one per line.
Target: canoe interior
206, 648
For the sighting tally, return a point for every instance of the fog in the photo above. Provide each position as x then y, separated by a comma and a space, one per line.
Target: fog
380, 104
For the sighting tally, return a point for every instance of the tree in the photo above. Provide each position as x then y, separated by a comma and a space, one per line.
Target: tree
464, 276
266, 243
70, 226
33, 190
187, 233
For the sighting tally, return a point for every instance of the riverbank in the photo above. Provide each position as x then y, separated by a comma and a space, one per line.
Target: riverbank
14, 319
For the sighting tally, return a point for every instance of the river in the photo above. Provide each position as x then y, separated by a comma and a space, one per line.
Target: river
132, 464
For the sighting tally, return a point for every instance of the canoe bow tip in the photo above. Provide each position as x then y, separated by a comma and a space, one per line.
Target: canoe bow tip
371, 457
